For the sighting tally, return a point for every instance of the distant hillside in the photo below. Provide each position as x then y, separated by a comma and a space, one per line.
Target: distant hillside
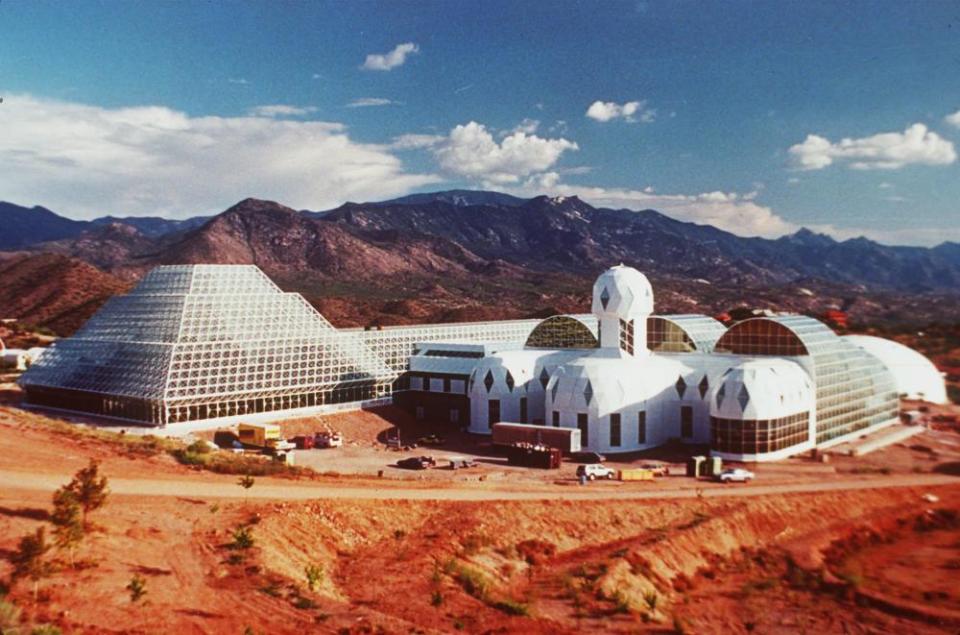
53, 291
25, 226
471, 255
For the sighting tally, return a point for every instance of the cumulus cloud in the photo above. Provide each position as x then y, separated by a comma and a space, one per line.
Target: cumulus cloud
89, 161
366, 102
954, 119
470, 151
632, 111
886, 151
281, 110
388, 61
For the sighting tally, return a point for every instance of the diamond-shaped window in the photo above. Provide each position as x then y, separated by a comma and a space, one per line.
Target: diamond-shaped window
721, 394
743, 397
588, 392
604, 297
488, 380
681, 386
510, 382
704, 387
544, 377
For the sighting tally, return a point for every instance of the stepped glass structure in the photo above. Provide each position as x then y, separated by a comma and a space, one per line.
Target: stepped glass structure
205, 342
219, 343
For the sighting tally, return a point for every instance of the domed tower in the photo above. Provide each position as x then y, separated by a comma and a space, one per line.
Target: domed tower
622, 302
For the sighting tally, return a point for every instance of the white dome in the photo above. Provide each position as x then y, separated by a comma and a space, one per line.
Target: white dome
762, 389
915, 375
622, 292
603, 383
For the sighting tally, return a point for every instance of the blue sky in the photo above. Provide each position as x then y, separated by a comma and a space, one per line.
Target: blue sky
756, 117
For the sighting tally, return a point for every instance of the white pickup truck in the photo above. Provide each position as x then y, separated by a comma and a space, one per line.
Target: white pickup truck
735, 475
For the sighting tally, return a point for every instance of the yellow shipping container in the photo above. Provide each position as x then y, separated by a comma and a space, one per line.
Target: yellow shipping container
258, 434
635, 475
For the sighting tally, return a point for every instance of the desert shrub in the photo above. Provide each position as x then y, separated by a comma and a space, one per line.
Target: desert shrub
436, 598
651, 597
45, 629
314, 576
137, 588
399, 534
622, 603
89, 488
473, 543
242, 538
473, 582
304, 603
199, 447
535, 551
511, 607
29, 560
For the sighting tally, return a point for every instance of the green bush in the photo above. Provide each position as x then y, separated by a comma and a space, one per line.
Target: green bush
242, 538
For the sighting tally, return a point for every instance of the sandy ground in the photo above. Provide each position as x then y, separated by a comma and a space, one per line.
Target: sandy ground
520, 551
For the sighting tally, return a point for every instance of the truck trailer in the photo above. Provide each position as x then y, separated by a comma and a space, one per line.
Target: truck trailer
567, 440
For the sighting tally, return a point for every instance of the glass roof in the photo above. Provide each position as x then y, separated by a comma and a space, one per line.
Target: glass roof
683, 333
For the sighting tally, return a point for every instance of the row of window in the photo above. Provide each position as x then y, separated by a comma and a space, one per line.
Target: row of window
743, 436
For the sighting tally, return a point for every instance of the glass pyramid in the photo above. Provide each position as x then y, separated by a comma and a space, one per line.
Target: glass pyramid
195, 342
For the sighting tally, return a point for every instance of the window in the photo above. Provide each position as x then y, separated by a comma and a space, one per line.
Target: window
740, 436
615, 430
686, 422
642, 427
626, 336
582, 423
421, 413
556, 419
454, 415
446, 384
523, 409
493, 411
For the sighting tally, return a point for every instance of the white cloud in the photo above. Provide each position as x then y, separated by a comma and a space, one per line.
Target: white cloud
736, 213
916, 236
366, 102
281, 110
417, 141
954, 119
89, 161
391, 60
527, 126
470, 151
885, 185
631, 111
793, 180
243, 81
886, 151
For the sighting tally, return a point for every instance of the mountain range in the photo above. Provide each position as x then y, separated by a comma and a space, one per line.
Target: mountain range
473, 255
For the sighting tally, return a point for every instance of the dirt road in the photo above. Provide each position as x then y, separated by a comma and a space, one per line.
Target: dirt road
210, 486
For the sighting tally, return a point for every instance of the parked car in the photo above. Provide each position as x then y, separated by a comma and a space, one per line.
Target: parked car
735, 475
327, 440
658, 469
459, 463
587, 457
595, 470
417, 462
